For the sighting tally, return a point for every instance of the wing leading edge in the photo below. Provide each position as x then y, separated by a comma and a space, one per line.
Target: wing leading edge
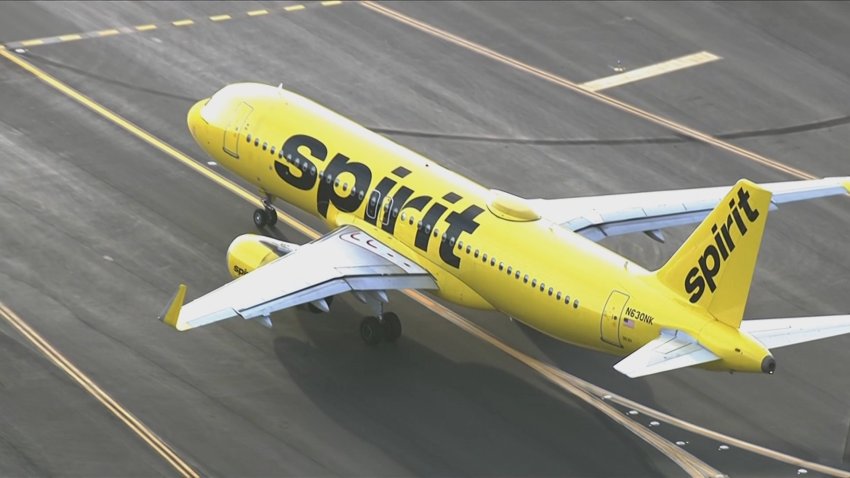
598, 217
344, 260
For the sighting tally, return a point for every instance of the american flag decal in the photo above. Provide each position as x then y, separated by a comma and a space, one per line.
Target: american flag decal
629, 323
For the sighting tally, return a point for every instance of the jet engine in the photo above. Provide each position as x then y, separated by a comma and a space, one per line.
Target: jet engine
250, 251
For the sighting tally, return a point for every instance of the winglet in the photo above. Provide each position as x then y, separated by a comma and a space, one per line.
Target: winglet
171, 313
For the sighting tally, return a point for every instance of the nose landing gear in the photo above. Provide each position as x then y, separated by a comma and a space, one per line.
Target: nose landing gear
267, 215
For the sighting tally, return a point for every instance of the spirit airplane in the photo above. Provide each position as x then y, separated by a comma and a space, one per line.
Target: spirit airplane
401, 221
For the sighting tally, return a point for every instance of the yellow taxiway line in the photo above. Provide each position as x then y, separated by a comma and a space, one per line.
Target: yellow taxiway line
94, 390
593, 396
669, 66
563, 82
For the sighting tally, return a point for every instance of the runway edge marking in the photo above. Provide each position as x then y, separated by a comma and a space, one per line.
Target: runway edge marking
133, 423
651, 71
547, 371
563, 82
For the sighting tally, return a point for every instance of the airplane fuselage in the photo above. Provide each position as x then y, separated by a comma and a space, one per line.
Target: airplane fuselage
486, 249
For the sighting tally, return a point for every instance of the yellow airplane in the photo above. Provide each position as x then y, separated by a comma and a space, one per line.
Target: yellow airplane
401, 221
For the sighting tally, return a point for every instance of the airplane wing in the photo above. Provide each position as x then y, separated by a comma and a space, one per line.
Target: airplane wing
344, 260
671, 350
598, 217
773, 333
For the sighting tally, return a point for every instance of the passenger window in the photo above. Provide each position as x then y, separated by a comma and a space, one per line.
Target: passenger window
460, 245
452, 242
427, 228
484, 258
328, 178
410, 221
248, 138
524, 278
492, 261
444, 238
313, 173
567, 300
436, 232
533, 282
476, 253
501, 266
403, 216
468, 248
558, 296
265, 145
542, 286
551, 290
510, 270
280, 154
419, 225
272, 150
256, 141
395, 212
344, 187
575, 304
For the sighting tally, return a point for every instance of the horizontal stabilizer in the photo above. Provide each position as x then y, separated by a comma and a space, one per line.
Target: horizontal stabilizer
671, 350
773, 333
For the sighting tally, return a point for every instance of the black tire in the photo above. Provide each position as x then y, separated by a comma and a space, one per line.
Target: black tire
392, 327
261, 218
371, 331
272, 216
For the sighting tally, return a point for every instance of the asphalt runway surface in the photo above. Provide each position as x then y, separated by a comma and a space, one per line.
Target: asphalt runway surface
99, 227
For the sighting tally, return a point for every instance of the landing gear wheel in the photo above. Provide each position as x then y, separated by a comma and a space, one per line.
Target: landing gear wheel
261, 218
371, 331
392, 327
272, 215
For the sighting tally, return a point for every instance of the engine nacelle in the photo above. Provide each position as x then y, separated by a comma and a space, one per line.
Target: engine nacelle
250, 251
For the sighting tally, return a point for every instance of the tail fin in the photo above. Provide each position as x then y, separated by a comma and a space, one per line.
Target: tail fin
715, 266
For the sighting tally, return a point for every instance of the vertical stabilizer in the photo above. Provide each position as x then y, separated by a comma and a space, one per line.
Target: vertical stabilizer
714, 267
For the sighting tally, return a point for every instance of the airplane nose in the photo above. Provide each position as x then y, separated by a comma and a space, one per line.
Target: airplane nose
197, 124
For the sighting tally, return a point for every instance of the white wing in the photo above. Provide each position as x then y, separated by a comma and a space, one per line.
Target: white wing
597, 217
773, 333
671, 350
345, 260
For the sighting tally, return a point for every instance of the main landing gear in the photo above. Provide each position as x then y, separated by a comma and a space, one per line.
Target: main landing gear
384, 327
267, 215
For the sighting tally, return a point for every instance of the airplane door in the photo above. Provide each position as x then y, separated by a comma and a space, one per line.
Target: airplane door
234, 130
611, 318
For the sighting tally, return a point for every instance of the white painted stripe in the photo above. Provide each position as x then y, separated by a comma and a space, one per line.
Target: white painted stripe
645, 72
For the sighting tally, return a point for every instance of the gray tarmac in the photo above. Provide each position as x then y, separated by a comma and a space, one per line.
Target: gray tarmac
98, 228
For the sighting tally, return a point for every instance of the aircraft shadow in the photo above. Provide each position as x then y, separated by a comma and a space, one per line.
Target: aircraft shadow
432, 415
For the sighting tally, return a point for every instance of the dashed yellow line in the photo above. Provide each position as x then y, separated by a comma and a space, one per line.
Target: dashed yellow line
256, 13
108, 33
144, 28
133, 423
331, 3
32, 42
70, 37
292, 8
183, 23
220, 18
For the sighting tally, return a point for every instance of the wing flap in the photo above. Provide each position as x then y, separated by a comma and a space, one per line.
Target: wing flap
775, 333
671, 350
